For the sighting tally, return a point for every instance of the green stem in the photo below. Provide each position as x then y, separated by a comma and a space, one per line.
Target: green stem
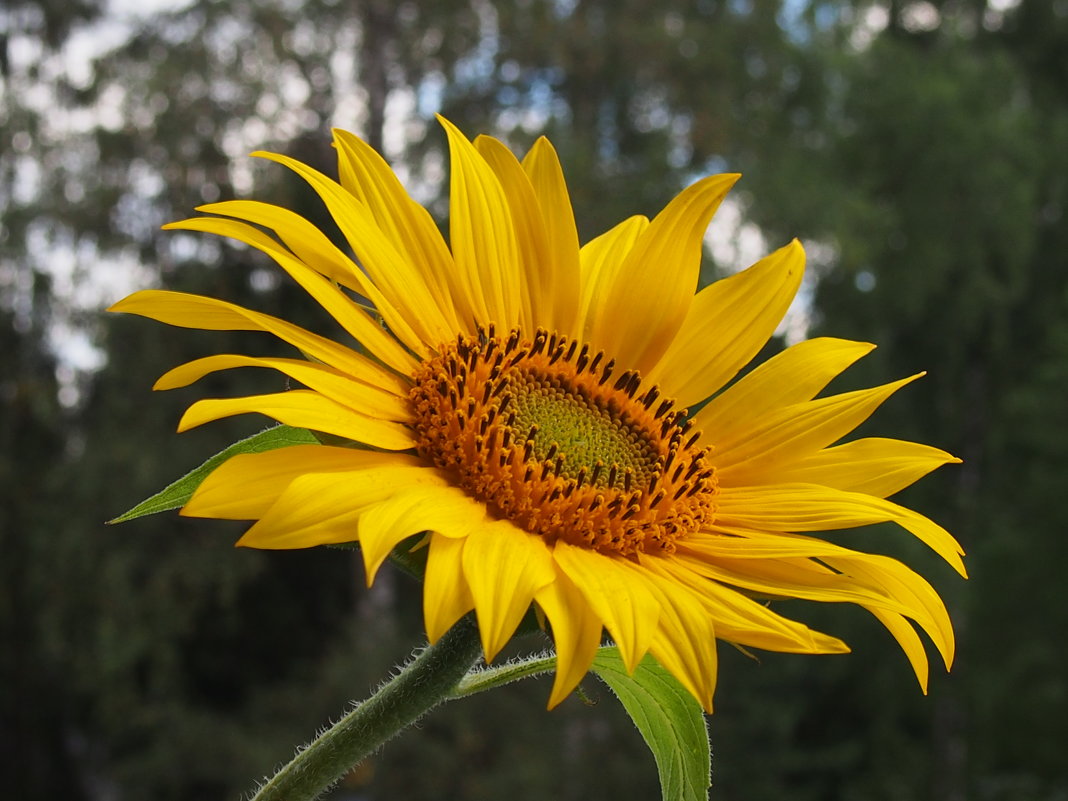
478, 681
421, 685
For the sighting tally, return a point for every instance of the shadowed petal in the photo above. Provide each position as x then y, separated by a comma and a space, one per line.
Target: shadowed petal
504, 567
446, 596
617, 595
576, 630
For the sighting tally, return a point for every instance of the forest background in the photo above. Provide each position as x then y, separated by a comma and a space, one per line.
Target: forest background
920, 149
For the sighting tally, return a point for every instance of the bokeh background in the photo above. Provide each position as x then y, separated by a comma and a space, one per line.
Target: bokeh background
919, 148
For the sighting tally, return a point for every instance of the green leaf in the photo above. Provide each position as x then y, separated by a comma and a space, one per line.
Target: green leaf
670, 720
175, 495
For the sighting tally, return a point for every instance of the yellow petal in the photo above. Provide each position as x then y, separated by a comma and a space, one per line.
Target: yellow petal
481, 234
748, 449
304, 409
400, 283
443, 509
352, 318
368, 177
741, 620
537, 268
550, 189
685, 640
795, 375
315, 250
617, 595
869, 580
340, 388
195, 311
727, 325
446, 596
504, 567
600, 261
576, 633
739, 542
879, 467
647, 303
245, 486
324, 508
302, 237
811, 507
900, 582
797, 578
909, 641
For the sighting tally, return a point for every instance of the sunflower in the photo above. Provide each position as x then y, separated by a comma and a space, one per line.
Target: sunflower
524, 404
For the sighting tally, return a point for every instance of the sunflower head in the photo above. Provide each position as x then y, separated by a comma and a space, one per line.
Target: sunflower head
527, 402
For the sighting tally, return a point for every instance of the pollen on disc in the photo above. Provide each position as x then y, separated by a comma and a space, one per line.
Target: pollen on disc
554, 438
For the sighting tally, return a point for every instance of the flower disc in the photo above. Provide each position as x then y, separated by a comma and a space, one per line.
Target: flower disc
547, 436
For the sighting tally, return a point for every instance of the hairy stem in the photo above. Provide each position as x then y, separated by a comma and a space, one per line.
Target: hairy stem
421, 685
478, 681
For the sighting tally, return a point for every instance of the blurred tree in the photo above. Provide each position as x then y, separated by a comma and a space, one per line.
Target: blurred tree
942, 195
32, 431
637, 101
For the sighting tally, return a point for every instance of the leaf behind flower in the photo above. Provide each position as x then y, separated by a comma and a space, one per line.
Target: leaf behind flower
176, 494
670, 720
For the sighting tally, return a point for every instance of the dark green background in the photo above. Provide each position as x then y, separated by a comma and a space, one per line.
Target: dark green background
929, 159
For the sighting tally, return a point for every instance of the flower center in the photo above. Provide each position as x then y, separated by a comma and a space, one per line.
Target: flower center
549, 437
588, 438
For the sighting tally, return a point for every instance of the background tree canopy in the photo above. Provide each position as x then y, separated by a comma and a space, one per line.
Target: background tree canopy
919, 147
